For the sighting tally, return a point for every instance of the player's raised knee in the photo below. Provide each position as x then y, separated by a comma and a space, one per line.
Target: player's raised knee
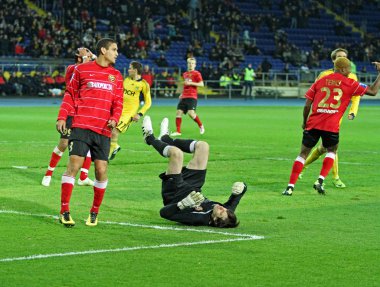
202, 146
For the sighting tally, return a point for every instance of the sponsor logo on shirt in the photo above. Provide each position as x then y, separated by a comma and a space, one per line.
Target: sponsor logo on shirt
327, 111
98, 85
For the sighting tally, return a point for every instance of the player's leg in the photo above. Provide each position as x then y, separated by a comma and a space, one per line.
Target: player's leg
313, 156
200, 157
54, 160
309, 140
99, 151
178, 120
122, 126
196, 119
83, 177
338, 183
330, 141
67, 186
174, 154
77, 151
58, 152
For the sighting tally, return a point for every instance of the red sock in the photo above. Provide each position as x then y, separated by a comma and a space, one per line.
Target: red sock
198, 121
327, 164
99, 190
296, 170
178, 122
54, 160
85, 167
67, 185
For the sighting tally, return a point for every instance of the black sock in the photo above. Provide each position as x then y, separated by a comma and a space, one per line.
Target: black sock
182, 144
167, 139
159, 146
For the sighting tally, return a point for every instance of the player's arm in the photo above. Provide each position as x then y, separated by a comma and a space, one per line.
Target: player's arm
187, 216
306, 112
352, 113
147, 102
238, 190
196, 84
374, 88
68, 102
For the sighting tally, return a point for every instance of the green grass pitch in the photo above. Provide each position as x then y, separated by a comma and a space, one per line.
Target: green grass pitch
309, 240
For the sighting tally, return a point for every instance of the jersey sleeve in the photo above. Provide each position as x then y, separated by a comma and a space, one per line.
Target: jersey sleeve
187, 216
355, 100
147, 98
68, 102
310, 94
233, 201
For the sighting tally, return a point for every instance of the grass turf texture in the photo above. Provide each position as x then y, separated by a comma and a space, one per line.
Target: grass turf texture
310, 240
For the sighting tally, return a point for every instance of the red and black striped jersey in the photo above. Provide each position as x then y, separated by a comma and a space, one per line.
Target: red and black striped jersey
96, 93
68, 75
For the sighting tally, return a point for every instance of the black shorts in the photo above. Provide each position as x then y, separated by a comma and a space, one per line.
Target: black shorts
67, 132
187, 104
311, 137
81, 141
176, 187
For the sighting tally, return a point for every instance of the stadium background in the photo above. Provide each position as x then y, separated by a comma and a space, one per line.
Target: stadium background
287, 41
308, 240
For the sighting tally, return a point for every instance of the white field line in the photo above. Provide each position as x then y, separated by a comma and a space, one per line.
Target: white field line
123, 249
238, 237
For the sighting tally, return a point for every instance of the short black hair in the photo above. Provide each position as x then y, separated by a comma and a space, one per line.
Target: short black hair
138, 66
103, 43
230, 222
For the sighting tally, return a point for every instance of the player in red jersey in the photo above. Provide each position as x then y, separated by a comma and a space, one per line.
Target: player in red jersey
189, 97
328, 99
82, 55
96, 94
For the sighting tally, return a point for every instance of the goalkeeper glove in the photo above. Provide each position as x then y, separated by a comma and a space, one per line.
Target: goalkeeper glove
190, 201
351, 116
239, 188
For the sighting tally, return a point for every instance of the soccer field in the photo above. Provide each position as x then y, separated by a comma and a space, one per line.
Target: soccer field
302, 240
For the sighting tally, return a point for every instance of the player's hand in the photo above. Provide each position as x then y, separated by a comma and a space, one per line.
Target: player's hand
239, 188
61, 126
111, 124
192, 200
136, 118
351, 116
377, 65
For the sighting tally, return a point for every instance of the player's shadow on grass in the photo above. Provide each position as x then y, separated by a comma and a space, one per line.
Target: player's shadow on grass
26, 208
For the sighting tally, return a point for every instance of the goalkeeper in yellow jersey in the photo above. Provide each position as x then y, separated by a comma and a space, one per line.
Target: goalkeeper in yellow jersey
317, 152
134, 86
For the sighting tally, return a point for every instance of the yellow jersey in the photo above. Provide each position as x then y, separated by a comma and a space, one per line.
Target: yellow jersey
354, 100
131, 96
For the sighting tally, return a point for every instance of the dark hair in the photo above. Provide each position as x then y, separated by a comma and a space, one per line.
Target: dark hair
138, 66
230, 222
103, 43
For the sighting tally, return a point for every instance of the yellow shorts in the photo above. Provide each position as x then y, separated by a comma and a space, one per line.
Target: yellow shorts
125, 121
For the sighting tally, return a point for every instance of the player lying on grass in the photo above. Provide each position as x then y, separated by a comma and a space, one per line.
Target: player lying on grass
181, 186
328, 99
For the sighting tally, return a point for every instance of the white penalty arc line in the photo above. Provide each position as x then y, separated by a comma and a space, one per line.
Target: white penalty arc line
159, 227
124, 249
